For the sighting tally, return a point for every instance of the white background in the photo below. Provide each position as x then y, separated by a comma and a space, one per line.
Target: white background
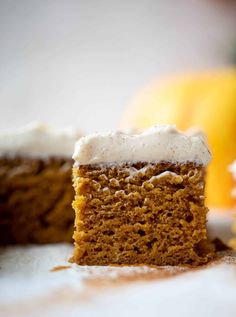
80, 62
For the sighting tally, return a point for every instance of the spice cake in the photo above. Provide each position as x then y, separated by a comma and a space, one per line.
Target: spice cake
139, 199
35, 185
233, 171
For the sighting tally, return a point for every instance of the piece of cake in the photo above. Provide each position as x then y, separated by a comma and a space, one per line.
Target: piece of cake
233, 171
139, 199
35, 185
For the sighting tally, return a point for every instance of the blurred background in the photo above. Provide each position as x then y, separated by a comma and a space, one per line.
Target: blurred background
107, 64
80, 62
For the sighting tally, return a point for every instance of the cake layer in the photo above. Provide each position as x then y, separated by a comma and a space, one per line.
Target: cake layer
35, 200
38, 140
140, 213
159, 143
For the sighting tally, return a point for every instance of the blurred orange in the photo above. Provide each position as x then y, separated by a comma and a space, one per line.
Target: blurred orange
206, 100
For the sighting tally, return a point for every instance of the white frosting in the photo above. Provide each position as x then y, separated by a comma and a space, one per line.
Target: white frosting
159, 143
38, 140
232, 169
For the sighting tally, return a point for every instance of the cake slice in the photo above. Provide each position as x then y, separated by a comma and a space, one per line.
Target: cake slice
35, 185
139, 199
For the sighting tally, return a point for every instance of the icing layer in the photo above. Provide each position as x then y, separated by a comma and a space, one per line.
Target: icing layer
159, 143
39, 140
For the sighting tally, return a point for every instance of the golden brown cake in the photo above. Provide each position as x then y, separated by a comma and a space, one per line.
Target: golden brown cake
139, 199
35, 185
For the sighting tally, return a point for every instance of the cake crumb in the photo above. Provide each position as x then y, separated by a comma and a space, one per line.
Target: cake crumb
60, 268
220, 245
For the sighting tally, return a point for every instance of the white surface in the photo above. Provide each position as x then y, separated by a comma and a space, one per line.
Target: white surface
29, 288
39, 140
159, 143
79, 62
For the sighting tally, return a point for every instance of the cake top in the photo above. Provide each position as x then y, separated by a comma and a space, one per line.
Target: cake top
232, 169
38, 140
158, 143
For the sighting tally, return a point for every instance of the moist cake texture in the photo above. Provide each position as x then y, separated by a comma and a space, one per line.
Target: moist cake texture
35, 185
35, 200
139, 199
